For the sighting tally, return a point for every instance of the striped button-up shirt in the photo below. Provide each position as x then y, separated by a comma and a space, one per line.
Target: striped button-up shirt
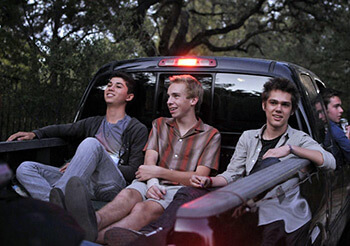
199, 146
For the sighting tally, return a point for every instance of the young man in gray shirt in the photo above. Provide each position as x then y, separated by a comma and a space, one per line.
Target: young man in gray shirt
106, 159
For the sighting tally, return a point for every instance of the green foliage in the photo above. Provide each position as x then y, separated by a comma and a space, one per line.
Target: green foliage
51, 49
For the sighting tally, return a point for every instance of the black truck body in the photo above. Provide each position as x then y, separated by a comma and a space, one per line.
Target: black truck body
232, 104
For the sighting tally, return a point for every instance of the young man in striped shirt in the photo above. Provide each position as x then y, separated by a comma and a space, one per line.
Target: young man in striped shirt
177, 148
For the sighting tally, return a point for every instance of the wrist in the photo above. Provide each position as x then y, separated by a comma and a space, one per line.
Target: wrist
162, 172
151, 182
210, 182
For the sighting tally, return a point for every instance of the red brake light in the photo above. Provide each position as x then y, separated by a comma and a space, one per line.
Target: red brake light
187, 62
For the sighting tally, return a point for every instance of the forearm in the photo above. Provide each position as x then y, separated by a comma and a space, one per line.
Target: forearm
218, 181
151, 157
61, 130
182, 177
312, 155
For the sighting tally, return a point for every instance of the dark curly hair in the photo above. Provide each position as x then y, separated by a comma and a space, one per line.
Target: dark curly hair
284, 85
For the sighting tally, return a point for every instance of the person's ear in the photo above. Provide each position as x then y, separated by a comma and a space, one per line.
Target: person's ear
263, 105
129, 97
194, 101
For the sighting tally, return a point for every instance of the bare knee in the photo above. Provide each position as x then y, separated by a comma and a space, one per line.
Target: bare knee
125, 200
149, 209
129, 195
118, 208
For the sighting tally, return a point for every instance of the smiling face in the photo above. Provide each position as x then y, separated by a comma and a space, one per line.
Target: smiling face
179, 105
334, 109
278, 109
116, 92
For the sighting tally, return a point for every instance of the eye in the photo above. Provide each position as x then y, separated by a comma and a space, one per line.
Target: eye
287, 105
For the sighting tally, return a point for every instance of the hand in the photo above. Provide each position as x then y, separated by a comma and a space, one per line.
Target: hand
347, 132
199, 181
239, 211
21, 136
63, 169
277, 152
146, 172
156, 192
250, 206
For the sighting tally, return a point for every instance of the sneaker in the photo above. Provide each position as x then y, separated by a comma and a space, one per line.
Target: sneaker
78, 203
57, 197
118, 236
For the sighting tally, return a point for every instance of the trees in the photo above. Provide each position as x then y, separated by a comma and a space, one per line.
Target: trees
181, 26
50, 49
317, 38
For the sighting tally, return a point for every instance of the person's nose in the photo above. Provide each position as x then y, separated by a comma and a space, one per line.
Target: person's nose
111, 87
341, 110
278, 107
169, 101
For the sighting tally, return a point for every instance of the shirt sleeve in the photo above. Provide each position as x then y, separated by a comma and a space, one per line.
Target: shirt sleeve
152, 142
237, 166
342, 141
308, 143
137, 138
211, 154
77, 129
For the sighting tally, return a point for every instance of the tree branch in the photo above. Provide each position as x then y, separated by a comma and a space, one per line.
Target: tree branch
170, 24
207, 33
238, 45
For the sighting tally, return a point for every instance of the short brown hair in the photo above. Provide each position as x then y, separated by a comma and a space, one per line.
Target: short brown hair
193, 87
328, 93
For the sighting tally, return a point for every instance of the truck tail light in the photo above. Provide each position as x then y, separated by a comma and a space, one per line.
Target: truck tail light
187, 62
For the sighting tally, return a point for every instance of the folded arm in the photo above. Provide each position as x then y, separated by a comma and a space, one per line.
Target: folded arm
312, 155
147, 172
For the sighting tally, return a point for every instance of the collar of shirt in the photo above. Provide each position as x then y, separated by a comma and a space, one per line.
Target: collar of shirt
332, 123
121, 121
198, 127
284, 135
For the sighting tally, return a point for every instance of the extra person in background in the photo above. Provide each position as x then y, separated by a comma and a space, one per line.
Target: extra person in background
106, 159
334, 110
177, 148
286, 220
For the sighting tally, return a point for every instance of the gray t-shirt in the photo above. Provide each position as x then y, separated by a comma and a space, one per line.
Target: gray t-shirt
110, 136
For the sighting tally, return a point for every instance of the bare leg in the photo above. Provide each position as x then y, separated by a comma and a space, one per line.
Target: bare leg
118, 208
142, 214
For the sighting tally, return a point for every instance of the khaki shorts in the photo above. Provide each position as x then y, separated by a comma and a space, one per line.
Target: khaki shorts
141, 187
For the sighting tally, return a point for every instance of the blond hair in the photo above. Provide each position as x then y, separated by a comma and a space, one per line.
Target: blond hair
193, 87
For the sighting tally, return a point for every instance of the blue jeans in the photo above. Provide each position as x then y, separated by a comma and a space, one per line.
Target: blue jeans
91, 163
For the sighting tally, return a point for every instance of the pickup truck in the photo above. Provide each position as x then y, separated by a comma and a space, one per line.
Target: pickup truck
232, 104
